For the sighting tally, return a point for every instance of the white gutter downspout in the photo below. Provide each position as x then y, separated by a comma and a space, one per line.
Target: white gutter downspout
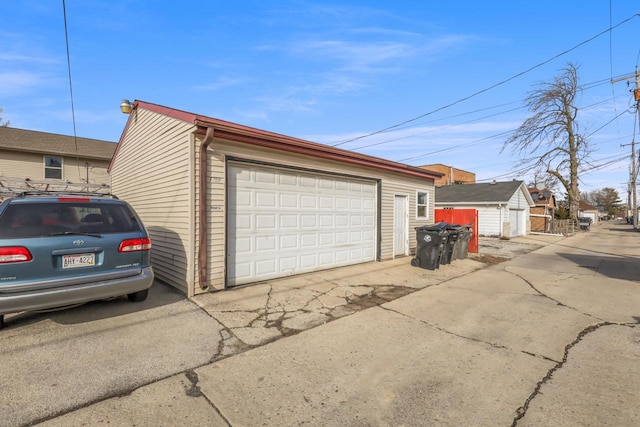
202, 211
501, 219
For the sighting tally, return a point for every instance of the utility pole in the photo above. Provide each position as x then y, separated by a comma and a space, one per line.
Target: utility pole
634, 171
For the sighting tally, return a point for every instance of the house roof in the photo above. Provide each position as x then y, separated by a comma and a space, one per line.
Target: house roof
50, 143
544, 201
584, 206
248, 135
493, 193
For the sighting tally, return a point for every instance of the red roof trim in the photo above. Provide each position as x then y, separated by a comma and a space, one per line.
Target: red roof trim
249, 135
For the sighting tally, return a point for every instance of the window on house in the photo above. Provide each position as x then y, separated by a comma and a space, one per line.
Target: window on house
53, 167
422, 205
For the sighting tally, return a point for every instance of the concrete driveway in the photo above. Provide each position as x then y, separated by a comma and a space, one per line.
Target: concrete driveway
547, 338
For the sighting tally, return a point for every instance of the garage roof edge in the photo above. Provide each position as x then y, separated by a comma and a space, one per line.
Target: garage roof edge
245, 134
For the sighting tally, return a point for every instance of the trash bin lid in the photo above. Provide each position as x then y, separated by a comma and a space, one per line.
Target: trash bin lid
433, 227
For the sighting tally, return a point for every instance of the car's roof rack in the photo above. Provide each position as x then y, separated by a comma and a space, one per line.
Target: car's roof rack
35, 193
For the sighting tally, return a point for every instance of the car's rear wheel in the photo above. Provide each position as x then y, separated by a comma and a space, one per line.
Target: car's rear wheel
1, 321
138, 296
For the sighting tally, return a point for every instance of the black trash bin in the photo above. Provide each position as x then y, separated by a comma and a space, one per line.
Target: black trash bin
462, 247
450, 252
431, 242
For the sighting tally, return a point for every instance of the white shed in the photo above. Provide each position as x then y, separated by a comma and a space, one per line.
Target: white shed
272, 205
503, 207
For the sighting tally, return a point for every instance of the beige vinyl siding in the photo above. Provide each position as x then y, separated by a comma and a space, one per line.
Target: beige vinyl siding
155, 175
21, 165
393, 184
75, 170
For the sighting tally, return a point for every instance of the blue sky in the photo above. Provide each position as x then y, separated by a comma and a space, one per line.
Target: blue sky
331, 71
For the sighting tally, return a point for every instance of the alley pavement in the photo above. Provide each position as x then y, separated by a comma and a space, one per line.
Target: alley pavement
541, 330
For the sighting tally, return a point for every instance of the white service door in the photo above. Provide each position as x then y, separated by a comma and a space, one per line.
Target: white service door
516, 218
400, 227
284, 221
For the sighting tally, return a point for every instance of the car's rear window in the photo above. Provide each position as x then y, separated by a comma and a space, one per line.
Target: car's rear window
21, 220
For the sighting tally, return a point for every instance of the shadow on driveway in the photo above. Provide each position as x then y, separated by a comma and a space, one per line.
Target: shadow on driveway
159, 295
615, 267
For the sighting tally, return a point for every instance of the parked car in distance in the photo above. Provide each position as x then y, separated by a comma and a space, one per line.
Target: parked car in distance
60, 248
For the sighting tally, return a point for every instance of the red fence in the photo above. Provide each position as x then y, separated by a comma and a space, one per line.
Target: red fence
461, 217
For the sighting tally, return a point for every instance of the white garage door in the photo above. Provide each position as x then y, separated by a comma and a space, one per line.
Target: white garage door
284, 221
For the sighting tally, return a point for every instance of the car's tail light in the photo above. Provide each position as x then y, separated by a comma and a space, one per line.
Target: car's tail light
135, 245
14, 254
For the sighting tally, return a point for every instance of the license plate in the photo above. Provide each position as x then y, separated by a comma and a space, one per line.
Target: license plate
80, 260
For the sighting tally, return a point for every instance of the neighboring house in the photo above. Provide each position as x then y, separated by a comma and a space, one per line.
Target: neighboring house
503, 207
228, 205
585, 210
451, 175
542, 214
30, 159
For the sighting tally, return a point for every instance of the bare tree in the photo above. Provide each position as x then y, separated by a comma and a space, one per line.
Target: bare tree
3, 124
550, 140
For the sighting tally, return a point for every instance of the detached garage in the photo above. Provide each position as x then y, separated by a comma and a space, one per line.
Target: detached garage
270, 206
503, 207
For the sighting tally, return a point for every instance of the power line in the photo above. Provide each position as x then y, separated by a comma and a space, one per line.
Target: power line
488, 88
435, 130
73, 112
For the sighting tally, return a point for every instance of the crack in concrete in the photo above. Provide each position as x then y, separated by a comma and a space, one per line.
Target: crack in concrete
522, 410
195, 391
539, 356
441, 329
542, 294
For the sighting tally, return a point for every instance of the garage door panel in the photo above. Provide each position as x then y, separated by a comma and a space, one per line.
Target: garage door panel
307, 181
308, 202
342, 238
244, 245
289, 242
242, 270
265, 176
266, 243
289, 221
326, 258
308, 241
242, 199
368, 220
325, 202
326, 239
341, 257
266, 221
265, 267
286, 201
342, 220
288, 179
308, 261
341, 203
326, 220
308, 221
264, 199
283, 222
